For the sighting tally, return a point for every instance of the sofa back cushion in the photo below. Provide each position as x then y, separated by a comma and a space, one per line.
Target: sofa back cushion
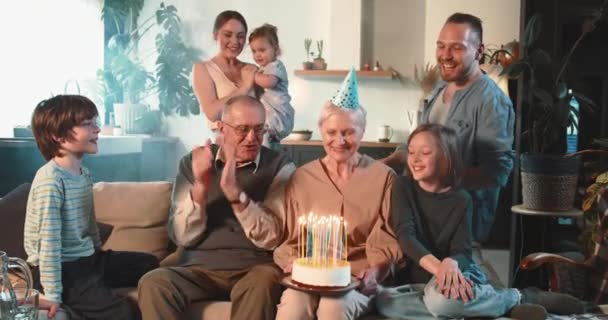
138, 211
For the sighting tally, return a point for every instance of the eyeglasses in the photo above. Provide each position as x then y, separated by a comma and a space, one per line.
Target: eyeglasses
243, 130
91, 124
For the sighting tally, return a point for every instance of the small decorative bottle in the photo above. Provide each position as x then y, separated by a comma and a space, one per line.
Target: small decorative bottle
377, 66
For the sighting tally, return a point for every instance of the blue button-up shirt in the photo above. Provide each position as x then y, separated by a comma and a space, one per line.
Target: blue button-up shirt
483, 118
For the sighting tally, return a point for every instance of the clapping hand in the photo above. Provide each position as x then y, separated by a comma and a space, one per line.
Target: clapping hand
228, 182
452, 283
202, 162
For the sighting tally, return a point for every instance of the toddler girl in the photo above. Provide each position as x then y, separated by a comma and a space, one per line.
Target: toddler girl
272, 76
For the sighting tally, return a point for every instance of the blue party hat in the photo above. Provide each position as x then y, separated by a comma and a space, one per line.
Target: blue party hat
348, 95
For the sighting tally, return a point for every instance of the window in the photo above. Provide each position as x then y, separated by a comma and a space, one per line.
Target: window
48, 47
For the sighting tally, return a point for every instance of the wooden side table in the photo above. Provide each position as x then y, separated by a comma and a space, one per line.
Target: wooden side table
572, 213
518, 249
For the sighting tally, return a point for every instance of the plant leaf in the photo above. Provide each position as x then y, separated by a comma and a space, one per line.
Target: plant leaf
515, 69
584, 99
561, 90
588, 203
545, 97
532, 31
540, 58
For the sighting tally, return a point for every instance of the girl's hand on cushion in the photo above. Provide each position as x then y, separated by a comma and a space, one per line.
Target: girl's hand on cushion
371, 277
451, 282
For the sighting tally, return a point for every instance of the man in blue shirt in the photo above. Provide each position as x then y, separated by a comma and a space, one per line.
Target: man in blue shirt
468, 101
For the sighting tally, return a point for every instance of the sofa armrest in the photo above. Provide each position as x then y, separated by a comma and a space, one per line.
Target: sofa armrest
537, 259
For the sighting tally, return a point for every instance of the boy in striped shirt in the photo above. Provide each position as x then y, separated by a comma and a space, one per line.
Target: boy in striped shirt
61, 236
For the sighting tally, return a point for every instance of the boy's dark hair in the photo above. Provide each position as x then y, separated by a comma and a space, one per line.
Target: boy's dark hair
55, 118
449, 145
269, 32
226, 16
469, 19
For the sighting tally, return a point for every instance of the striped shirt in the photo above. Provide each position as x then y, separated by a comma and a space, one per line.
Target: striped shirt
60, 223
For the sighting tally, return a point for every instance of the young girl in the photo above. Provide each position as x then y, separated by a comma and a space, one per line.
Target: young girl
272, 76
432, 221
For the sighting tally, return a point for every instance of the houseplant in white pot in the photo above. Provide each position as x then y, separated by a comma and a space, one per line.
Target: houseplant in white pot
549, 179
126, 83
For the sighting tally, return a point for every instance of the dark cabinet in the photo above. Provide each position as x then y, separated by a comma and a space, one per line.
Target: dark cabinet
155, 161
302, 152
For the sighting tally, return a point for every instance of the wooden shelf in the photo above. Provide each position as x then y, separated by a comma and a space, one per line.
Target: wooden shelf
381, 74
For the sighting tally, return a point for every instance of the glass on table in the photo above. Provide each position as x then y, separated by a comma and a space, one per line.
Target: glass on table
27, 304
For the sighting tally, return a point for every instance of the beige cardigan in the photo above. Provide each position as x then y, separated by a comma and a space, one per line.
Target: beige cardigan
364, 203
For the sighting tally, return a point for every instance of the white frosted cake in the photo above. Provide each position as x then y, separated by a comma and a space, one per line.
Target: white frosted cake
322, 252
335, 274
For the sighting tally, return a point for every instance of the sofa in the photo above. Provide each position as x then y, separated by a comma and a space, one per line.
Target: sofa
136, 214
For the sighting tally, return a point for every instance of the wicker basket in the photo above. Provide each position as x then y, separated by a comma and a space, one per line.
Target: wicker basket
548, 192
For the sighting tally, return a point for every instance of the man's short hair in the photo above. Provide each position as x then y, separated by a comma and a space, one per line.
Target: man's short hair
56, 117
469, 19
241, 99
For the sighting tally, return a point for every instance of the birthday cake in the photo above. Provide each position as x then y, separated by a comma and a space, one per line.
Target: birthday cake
322, 260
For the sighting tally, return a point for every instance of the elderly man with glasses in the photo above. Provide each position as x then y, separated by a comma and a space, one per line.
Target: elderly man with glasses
222, 205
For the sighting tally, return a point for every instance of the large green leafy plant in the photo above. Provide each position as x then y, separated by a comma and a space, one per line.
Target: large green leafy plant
126, 80
549, 88
173, 65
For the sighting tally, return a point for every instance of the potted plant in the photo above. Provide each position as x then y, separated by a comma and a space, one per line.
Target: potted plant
319, 62
307, 65
126, 83
173, 65
596, 185
548, 178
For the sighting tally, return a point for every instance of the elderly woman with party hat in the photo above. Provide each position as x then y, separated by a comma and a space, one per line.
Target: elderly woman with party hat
353, 186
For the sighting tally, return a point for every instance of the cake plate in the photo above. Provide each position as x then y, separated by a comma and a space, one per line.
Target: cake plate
288, 282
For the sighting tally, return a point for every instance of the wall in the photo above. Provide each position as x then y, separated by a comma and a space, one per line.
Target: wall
338, 23
385, 100
392, 33
500, 20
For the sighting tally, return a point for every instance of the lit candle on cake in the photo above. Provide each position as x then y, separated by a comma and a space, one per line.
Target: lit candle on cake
322, 240
322, 252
